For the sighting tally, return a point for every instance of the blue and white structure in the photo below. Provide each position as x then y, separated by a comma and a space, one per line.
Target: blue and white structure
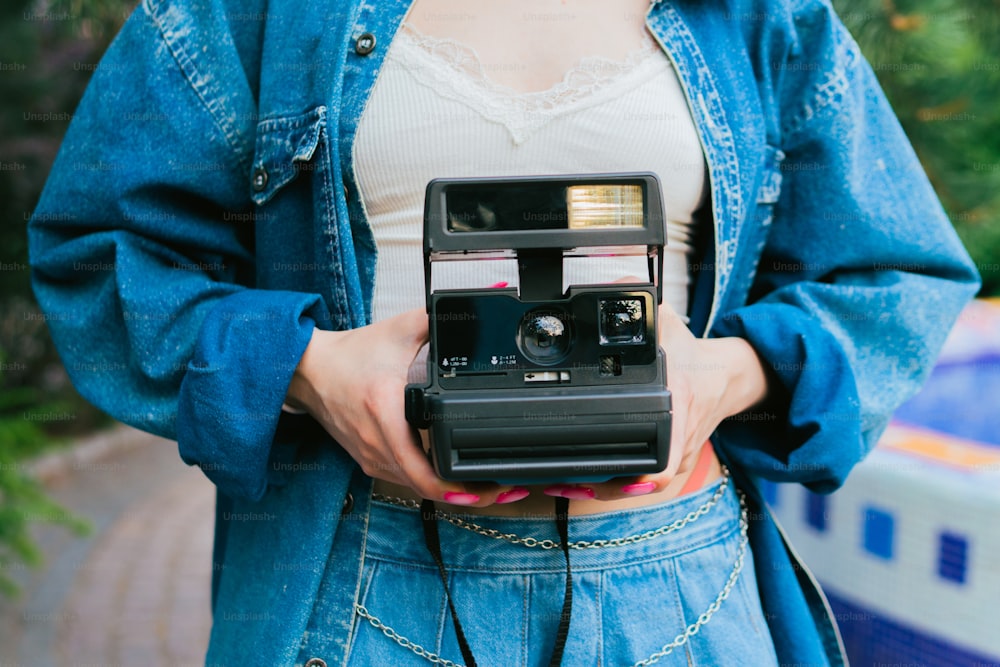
908, 551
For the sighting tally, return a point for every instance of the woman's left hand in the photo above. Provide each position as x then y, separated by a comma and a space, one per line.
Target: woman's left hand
709, 379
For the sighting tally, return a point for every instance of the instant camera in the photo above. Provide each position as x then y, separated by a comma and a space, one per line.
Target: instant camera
533, 383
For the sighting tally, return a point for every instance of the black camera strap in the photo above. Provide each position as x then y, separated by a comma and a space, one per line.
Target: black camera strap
562, 526
428, 516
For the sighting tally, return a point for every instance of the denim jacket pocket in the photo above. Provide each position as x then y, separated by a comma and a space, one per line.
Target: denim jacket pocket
284, 145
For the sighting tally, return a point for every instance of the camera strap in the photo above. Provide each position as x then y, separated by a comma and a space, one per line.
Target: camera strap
428, 516
562, 526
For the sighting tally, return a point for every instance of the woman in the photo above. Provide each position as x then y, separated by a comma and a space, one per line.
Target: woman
255, 156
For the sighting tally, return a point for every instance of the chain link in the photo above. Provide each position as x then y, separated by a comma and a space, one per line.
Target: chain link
434, 658
532, 542
678, 641
706, 616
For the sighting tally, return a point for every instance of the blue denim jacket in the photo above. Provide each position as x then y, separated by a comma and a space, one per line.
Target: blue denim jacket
203, 217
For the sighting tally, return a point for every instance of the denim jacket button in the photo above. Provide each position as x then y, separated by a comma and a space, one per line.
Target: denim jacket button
315, 662
259, 179
364, 44
348, 504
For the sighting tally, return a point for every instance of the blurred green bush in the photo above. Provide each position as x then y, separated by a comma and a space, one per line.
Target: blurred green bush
939, 63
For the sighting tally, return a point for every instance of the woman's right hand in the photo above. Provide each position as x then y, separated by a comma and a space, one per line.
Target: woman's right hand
352, 382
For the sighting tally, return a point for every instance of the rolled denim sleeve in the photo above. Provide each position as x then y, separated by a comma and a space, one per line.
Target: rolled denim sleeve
861, 277
142, 257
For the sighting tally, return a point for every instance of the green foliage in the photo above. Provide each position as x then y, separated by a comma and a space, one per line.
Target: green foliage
22, 499
939, 63
27, 414
23, 502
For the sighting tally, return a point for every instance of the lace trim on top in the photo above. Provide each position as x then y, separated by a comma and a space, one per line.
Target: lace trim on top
455, 71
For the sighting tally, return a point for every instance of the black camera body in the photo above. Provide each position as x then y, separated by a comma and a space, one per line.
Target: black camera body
533, 383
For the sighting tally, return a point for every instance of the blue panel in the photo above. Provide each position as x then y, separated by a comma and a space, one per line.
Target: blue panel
872, 638
816, 511
952, 400
878, 532
769, 490
952, 552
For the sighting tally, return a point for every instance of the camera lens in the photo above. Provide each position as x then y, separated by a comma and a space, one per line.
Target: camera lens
544, 336
622, 322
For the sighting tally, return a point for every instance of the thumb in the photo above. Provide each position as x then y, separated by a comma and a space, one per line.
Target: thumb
412, 329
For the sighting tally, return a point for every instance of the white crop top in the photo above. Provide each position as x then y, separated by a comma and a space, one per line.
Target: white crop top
435, 113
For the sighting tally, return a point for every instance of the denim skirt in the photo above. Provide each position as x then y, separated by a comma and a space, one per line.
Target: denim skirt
631, 599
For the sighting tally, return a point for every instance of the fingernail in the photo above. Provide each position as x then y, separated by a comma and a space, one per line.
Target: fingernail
512, 496
456, 498
571, 492
639, 488
499, 284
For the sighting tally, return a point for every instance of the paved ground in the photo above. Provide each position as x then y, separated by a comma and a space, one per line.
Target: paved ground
136, 590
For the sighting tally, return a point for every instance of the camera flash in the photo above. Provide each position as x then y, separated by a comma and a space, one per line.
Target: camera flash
591, 206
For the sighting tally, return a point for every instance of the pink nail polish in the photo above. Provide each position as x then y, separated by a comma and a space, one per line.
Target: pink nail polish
499, 284
571, 492
512, 496
456, 498
639, 488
